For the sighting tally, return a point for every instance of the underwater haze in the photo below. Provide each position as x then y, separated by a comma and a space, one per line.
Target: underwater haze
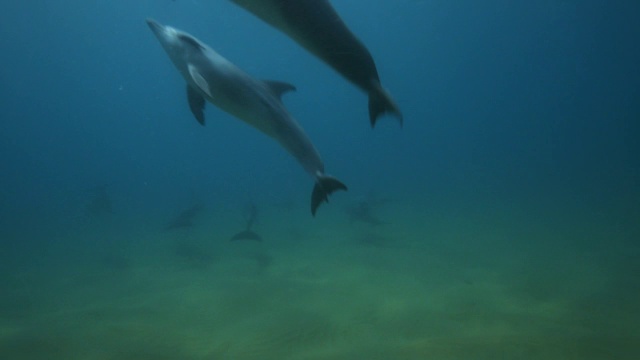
501, 221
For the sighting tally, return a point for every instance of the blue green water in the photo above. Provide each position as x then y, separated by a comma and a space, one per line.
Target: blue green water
505, 212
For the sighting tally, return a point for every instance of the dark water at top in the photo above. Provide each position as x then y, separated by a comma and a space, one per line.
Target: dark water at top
500, 221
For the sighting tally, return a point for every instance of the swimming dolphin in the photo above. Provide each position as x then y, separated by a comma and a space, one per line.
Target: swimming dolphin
363, 212
316, 26
246, 235
251, 217
185, 218
213, 78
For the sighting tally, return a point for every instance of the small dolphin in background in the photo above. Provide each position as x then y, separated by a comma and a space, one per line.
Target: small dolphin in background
251, 217
185, 218
100, 203
211, 77
316, 26
363, 212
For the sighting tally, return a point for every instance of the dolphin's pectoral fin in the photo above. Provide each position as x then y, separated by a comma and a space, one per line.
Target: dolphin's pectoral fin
325, 186
196, 104
199, 80
380, 102
279, 87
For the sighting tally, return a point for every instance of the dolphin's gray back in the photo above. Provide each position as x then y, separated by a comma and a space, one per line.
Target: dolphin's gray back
316, 26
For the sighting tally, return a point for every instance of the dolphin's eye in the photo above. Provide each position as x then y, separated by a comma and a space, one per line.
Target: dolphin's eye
189, 40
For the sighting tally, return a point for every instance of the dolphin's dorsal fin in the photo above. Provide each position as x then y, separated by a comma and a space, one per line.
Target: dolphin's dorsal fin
279, 87
199, 80
196, 103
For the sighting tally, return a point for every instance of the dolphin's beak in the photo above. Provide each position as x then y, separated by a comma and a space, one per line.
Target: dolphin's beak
155, 26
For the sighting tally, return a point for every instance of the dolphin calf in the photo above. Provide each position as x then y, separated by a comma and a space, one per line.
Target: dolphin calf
213, 78
316, 26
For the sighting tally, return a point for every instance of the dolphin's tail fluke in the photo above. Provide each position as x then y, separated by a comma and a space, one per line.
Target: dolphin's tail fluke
325, 186
380, 102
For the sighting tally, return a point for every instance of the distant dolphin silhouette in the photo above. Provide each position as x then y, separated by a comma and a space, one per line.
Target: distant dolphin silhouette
100, 203
248, 234
213, 78
363, 212
185, 218
316, 26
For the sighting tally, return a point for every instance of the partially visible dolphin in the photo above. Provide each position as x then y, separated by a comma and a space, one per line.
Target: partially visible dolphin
251, 217
185, 218
316, 26
211, 77
246, 235
363, 212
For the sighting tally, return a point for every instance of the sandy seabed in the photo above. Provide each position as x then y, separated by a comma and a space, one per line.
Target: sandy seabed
484, 286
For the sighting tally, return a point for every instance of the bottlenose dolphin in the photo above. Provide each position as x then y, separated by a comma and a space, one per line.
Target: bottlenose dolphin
211, 77
185, 218
363, 212
251, 217
246, 235
316, 26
